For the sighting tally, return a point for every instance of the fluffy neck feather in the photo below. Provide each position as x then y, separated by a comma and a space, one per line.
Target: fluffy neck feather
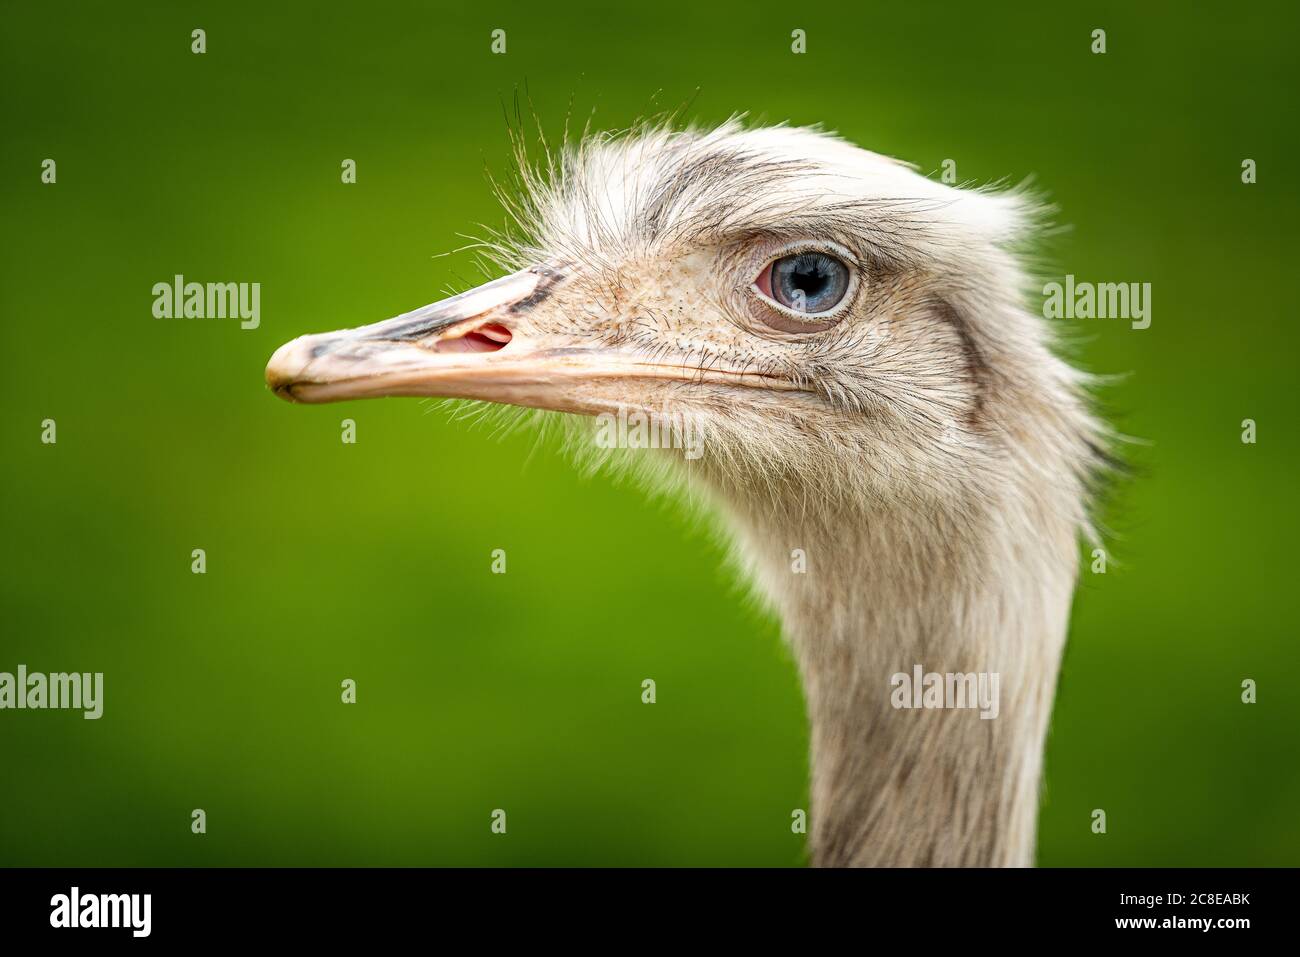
961, 593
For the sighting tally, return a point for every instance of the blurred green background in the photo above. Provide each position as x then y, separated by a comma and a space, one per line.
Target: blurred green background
371, 561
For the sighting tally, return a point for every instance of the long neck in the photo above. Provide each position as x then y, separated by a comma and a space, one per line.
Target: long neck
984, 600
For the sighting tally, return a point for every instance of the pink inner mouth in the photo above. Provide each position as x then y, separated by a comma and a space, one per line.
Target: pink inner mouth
487, 338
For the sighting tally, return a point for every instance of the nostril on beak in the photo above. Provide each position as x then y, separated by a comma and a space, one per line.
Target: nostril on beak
492, 337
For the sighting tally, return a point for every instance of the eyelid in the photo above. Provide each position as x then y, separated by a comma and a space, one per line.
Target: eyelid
828, 247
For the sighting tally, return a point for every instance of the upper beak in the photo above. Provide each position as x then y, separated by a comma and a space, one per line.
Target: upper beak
481, 344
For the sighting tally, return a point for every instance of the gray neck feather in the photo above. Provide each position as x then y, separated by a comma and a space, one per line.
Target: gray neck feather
985, 593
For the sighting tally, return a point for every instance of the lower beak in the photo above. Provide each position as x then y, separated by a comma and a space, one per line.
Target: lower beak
480, 344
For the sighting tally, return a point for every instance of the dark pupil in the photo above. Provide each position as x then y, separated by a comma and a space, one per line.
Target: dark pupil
809, 282
810, 277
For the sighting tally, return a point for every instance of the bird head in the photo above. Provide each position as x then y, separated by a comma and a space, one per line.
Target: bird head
817, 313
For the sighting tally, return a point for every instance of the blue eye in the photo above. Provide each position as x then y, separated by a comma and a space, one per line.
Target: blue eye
809, 282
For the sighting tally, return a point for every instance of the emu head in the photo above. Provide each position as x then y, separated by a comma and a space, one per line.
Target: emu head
834, 325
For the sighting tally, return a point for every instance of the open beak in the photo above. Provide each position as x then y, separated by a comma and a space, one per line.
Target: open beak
480, 344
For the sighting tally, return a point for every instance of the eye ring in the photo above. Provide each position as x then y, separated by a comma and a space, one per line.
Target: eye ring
806, 287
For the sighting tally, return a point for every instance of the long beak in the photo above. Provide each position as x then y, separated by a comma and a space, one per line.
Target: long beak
480, 344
